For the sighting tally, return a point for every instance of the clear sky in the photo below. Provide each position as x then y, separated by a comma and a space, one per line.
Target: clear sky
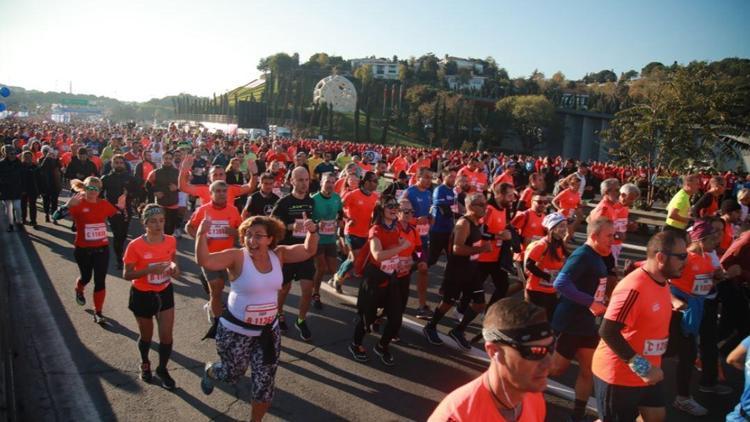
137, 50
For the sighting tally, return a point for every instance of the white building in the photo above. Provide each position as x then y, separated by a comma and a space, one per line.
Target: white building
381, 68
454, 82
461, 63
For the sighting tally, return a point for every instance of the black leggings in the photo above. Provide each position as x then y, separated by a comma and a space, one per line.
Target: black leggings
93, 261
119, 225
49, 200
499, 279
371, 297
171, 216
685, 348
709, 338
734, 324
28, 205
548, 301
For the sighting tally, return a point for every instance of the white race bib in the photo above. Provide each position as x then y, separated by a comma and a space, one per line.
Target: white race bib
702, 284
94, 232
390, 265
601, 290
404, 264
260, 314
655, 347
299, 228
423, 229
327, 227
158, 278
218, 229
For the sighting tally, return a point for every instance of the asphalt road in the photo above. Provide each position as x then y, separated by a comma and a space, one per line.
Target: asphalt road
69, 368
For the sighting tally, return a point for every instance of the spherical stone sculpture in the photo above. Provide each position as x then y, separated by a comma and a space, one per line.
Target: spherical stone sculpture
337, 91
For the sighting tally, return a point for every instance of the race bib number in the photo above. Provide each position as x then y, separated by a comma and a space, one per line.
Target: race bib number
327, 227
260, 314
404, 265
299, 228
423, 229
654, 347
390, 265
601, 290
94, 232
158, 278
218, 229
198, 171
702, 284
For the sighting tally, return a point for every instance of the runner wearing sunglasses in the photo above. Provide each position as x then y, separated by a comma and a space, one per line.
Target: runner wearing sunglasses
518, 340
89, 214
634, 332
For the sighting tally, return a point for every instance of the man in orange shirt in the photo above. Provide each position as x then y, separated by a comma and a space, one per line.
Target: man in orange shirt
221, 236
634, 336
518, 340
507, 175
475, 174
214, 174
399, 164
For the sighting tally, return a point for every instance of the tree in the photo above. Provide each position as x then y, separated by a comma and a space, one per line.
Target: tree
529, 116
629, 75
650, 68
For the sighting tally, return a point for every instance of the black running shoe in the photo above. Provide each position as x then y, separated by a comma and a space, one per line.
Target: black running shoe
282, 324
317, 304
358, 354
460, 338
166, 380
207, 382
432, 335
146, 372
80, 298
385, 355
304, 331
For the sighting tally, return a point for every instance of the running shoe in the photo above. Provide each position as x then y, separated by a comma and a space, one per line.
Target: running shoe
146, 372
385, 356
460, 338
358, 353
207, 382
304, 331
317, 304
80, 298
166, 380
10, 228
207, 308
424, 312
690, 406
99, 318
431, 333
282, 323
718, 389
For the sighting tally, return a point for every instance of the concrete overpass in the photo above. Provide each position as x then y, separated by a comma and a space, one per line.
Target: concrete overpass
581, 139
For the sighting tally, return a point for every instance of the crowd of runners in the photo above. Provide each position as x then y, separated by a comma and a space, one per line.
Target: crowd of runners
265, 214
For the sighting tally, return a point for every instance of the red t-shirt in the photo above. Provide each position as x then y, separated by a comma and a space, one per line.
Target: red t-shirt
537, 252
411, 235
477, 179
141, 255
358, 209
503, 178
697, 276
91, 222
388, 239
568, 200
526, 196
645, 308
228, 216
473, 403
495, 220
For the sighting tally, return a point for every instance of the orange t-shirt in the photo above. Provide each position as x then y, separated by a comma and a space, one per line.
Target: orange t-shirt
495, 220
727, 237
91, 222
142, 255
228, 216
537, 252
526, 196
399, 164
621, 222
97, 163
477, 179
473, 402
697, 276
358, 209
204, 193
569, 200
503, 178
604, 209
529, 225
411, 235
645, 307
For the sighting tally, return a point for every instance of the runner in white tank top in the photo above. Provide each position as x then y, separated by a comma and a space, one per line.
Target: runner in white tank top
248, 334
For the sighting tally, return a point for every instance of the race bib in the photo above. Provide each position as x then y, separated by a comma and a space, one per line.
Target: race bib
423, 229
198, 171
327, 227
655, 347
218, 229
621, 225
404, 264
390, 265
260, 314
299, 228
94, 232
535, 238
702, 284
158, 278
601, 290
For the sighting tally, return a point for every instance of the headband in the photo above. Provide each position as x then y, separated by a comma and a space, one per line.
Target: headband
518, 335
150, 212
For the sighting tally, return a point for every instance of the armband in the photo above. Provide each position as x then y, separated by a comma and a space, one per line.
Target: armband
640, 365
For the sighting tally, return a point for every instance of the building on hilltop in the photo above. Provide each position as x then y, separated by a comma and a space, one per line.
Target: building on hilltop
453, 74
474, 66
381, 68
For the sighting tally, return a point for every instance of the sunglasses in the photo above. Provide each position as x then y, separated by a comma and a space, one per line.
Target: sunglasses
531, 352
681, 256
92, 188
390, 206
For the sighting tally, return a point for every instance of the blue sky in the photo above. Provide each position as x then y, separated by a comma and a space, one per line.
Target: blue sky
136, 50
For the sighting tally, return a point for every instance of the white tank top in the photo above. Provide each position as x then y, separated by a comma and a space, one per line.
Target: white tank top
253, 296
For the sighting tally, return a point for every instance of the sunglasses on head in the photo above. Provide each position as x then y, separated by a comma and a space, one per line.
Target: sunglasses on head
537, 352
